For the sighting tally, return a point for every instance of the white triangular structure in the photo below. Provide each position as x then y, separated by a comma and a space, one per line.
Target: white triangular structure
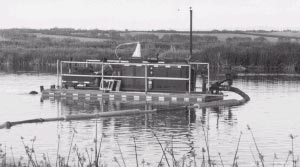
137, 52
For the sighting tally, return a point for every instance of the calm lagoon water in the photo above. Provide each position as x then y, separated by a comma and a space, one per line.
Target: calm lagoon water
272, 113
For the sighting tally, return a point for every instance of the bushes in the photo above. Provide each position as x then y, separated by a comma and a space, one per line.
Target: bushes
24, 48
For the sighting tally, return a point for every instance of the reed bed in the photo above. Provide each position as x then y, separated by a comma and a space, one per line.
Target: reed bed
24, 48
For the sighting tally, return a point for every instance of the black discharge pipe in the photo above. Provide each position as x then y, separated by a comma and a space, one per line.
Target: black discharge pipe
245, 97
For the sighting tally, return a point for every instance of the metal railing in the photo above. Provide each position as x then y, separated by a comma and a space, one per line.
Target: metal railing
146, 65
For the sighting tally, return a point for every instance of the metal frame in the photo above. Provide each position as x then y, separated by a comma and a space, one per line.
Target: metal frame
110, 84
208, 72
57, 71
61, 81
128, 63
146, 77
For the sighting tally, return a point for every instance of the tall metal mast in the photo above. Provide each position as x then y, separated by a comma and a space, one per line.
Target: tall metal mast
191, 31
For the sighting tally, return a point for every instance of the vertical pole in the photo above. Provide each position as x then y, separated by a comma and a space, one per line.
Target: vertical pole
61, 72
57, 71
208, 76
189, 78
102, 70
146, 78
191, 31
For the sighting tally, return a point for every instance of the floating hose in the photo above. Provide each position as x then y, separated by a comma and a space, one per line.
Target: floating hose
245, 97
78, 117
226, 103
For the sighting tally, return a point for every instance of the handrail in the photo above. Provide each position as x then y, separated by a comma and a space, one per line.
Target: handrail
123, 76
122, 63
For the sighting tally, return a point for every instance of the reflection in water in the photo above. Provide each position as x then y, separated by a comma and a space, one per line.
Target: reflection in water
69, 106
82, 106
176, 127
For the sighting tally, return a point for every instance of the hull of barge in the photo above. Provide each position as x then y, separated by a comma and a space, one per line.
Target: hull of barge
130, 96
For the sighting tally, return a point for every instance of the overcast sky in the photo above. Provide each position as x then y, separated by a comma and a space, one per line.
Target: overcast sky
151, 14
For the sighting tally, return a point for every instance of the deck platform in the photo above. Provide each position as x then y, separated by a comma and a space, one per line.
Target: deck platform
130, 96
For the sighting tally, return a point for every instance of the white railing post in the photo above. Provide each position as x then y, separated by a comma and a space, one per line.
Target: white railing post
190, 79
102, 77
57, 71
146, 78
61, 73
208, 77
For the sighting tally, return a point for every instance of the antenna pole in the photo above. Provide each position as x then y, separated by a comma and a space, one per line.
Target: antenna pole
191, 31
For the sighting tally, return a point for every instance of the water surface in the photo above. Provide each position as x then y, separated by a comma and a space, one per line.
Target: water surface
272, 114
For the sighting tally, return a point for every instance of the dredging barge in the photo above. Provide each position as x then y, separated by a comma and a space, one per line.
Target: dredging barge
140, 79
136, 80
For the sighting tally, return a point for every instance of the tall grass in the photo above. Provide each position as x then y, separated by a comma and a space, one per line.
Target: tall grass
89, 159
22, 49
